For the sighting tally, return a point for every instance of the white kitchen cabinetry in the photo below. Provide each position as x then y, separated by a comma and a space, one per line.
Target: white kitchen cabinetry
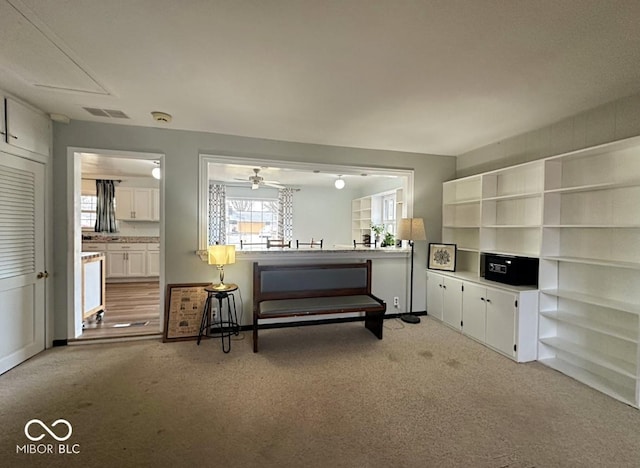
137, 204
504, 319
444, 299
26, 128
126, 260
590, 268
153, 259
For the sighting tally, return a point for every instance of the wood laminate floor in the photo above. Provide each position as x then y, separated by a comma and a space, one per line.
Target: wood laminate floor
134, 304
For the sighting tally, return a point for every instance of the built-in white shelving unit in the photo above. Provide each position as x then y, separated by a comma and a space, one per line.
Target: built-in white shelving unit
590, 268
360, 218
579, 213
461, 220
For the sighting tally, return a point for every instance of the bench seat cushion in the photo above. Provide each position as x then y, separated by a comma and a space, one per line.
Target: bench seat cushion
316, 305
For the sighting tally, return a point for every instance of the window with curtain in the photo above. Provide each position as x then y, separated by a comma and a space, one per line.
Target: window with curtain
251, 220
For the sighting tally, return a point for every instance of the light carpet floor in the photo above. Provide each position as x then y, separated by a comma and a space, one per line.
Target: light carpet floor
320, 396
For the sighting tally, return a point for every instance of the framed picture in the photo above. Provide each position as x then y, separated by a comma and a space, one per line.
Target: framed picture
183, 305
442, 257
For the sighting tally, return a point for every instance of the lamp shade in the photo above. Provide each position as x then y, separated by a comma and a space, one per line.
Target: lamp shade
222, 254
411, 229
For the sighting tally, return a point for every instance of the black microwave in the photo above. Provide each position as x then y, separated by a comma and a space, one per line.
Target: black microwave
516, 271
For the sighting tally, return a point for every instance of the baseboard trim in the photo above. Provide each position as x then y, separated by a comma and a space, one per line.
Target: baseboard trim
60, 343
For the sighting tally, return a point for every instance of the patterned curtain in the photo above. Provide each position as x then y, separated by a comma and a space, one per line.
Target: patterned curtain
285, 213
105, 207
217, 214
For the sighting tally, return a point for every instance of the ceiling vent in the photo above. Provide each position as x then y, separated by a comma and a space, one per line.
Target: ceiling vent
109, 113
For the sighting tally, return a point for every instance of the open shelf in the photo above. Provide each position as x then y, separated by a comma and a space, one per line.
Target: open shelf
619, 392
516, 196
595, 261
593, 187
611, 363
619, 332
633, 308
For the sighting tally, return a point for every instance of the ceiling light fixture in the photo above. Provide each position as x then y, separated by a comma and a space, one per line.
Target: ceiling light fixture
155, 172
339, 183
254, 186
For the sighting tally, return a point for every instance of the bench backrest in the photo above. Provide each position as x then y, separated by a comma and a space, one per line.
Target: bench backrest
294, 281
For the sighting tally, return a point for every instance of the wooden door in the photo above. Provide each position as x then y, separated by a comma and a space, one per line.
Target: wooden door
22, 274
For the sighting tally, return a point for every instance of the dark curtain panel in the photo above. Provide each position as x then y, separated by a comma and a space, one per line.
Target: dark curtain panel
105, 208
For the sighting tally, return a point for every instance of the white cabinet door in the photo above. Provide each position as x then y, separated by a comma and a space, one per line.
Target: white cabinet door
501, 321
28, 129
153, 263
136, 263
116, 264
124, 203
452, 302
142, 205
434, 295
474, 311
136, 204
155, 204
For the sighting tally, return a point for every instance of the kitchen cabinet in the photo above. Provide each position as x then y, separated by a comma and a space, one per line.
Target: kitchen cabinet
137, 204
26, 128
444, 299
153, 259
126, 260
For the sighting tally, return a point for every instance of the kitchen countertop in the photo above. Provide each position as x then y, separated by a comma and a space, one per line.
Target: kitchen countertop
120, 239
90, 255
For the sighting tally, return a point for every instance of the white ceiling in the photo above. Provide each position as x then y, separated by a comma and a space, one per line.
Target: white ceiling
439, 76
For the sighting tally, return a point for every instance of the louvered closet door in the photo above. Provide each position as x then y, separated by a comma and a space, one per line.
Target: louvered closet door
22, 317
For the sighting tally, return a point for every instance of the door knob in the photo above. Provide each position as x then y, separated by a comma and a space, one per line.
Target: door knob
42, 274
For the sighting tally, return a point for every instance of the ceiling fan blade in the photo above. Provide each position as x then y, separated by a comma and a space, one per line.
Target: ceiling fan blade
273, 184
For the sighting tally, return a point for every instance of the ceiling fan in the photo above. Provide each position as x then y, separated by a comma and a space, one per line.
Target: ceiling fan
256, 180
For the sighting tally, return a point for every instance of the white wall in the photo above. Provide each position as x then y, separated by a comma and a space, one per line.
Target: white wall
182, 150
610, 122
322, 213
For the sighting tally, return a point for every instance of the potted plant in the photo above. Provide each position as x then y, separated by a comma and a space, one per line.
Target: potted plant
377, 229
389, 240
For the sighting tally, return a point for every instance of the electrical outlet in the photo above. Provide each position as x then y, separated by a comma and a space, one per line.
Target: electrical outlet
396, 302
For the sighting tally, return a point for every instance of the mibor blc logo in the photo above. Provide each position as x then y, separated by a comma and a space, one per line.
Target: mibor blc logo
60, 430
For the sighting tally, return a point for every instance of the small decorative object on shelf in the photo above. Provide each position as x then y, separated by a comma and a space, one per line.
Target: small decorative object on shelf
377, 229
442, 257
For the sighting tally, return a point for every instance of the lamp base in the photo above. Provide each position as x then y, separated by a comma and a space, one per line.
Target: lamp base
410, 318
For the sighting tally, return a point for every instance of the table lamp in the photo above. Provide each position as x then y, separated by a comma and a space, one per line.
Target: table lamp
411, 229
221, 255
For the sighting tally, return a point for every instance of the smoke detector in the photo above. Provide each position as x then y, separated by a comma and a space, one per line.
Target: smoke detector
161, 117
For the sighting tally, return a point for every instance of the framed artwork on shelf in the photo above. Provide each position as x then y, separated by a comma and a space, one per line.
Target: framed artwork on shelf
442, 257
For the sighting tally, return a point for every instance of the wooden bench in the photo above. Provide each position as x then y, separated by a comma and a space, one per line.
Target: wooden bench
303, 290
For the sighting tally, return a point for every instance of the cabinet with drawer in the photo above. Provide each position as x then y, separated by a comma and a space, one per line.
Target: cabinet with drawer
126, 260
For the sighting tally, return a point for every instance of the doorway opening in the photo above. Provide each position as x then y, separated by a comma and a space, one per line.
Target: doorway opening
117, 275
